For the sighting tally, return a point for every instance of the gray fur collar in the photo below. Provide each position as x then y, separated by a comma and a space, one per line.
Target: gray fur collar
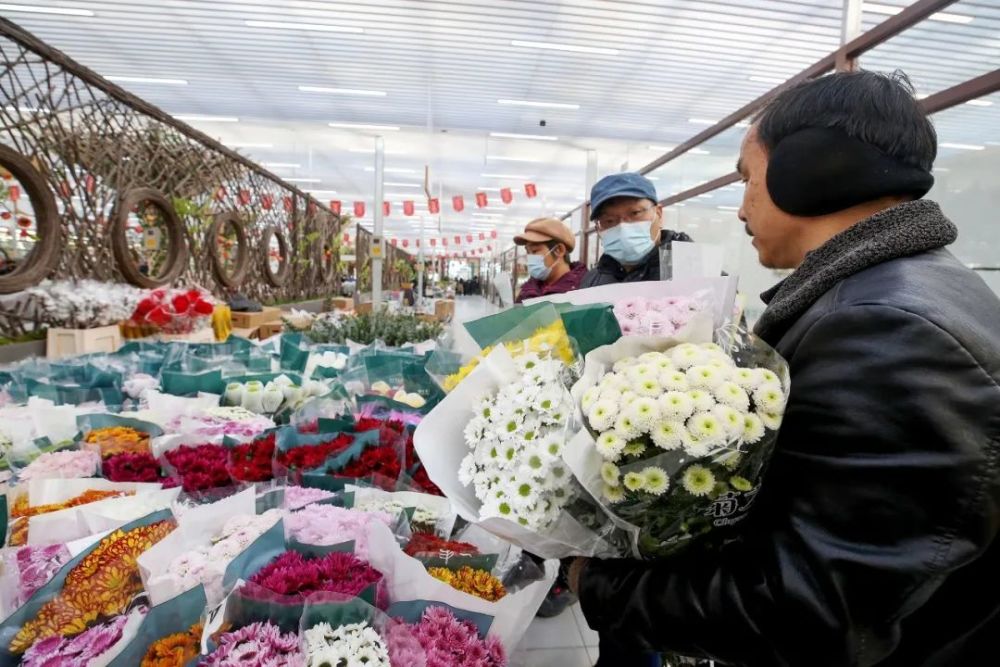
901, 231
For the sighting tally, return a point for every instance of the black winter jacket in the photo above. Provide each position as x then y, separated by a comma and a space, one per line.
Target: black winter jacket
609, 270
874, 537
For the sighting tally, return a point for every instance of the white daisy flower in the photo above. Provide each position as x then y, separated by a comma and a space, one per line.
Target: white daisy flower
643, 412
657, 481
703, 400
635, 448
732, 421
640, 372
610, 474
590, 397
731, 394
769, 398
628, 396
771, 420
525, 491
551, 447
602, 415
687, 355
627, 427
527, 362
634, 481
613, 494
648, 387
746, 378
753, 429
669, 435
610, 445
673, 380
768, 376
557, 478
698, 480
652, 357
675, 405
730, 460
706, 428
698, 449
534, 464
705, 377
549, 399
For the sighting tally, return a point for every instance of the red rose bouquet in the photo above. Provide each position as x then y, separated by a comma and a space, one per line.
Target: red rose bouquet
174, 311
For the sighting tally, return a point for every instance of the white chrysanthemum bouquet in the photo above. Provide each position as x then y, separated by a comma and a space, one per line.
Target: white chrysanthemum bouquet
516, 440
678, 436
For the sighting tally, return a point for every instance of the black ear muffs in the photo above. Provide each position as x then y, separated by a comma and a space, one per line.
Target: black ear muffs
818, 171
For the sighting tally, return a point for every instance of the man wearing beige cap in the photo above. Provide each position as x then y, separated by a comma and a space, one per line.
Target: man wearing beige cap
548, 243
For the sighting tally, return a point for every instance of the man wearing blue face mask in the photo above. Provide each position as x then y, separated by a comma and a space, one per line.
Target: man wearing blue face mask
629, 221
548, 243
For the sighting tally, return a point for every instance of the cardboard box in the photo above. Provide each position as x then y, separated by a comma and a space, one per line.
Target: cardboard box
341, 303
363, 308
444, 309
70, 342
269, 329
249, 332
253, 320
204, 335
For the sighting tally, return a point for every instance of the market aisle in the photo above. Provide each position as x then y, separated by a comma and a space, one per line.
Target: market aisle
563, 641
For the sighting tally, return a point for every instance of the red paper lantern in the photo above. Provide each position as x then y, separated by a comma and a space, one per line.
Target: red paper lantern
335, 206
506, 196
359, 209
434, 205
530, 190
434, 243
386, 208
406, 243
481, 201
458, 240
244, 197
347, 239
482, 236
417, 243
458, 203
266, 202
408, 208
394, 242
289, 205
444, 241
493, 234
14, 192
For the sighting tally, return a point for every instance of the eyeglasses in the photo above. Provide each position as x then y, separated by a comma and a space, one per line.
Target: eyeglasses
606, 222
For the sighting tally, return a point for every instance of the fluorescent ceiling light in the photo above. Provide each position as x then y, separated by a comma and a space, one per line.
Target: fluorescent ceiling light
564, 47
148, 79
403, 185
702, 121
504, 158
980, 103
342, 91
743, 123
319, 192
316, 27
538, 105
391, 170
962, 147
371, 151
248, 144
510, 176
944, 17
699, 151
512, 135
655, 147
64, 11
363, 126
773, 80
489, 189
24, 109
280, 165
303, 180
728, 208
206, 119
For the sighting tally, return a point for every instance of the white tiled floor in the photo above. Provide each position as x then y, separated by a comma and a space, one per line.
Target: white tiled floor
563, 641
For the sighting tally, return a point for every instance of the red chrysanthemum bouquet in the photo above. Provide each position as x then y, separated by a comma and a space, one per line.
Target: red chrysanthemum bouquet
174, 311
198, 467
252, 461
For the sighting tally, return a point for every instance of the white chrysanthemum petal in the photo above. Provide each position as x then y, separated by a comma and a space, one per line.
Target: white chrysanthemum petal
610, 445
705, 377
698, 480
753, 429
634, 481
731, 419
669, 435
731, 394
673, 380
610, 474
769, 398
649, 387
703, 400
590, 397
613, 494
657, 481
602, 415
675, 405
771, 420
626, 427
643, 413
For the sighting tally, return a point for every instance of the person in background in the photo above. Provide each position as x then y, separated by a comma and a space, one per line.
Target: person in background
873, 539
548, 244
630, 223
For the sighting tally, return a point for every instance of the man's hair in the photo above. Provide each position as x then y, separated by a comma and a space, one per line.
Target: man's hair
551, 245
878, 109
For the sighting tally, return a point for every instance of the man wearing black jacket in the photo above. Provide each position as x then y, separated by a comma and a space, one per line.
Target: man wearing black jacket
873, 540
629, 220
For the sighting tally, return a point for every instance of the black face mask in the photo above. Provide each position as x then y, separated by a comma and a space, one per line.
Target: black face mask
818, 171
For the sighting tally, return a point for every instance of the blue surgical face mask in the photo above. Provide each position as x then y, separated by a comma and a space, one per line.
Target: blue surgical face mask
536, 266
628, 242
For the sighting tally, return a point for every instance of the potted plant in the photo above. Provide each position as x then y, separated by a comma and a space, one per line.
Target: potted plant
405, 272
82, 315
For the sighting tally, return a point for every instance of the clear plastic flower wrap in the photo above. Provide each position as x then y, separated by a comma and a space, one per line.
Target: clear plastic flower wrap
496, 447
678, 434
339, 630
